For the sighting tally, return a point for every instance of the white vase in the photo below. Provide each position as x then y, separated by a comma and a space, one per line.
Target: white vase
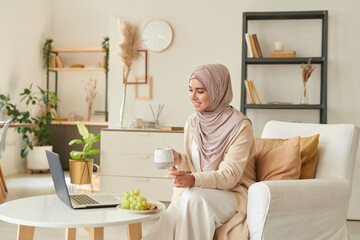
304, 96
36, 158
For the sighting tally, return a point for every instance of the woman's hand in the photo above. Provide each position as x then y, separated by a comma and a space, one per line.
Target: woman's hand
177, 157
181, 179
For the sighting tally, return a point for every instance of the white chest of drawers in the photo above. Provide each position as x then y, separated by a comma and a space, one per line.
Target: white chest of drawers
127, 161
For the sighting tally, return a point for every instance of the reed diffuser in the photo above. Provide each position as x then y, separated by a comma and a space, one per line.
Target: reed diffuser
156, 117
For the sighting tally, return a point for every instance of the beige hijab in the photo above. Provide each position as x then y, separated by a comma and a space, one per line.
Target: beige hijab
214, 128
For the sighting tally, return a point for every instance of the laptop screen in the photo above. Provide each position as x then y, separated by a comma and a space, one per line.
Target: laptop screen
58, 177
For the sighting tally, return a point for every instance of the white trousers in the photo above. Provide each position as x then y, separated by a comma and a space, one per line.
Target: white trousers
195, 215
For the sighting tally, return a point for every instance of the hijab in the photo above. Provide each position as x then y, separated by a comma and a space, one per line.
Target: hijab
216, 126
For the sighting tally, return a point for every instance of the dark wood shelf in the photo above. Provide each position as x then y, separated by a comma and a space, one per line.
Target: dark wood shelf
295, 60
285, 15
322, 60
284, 106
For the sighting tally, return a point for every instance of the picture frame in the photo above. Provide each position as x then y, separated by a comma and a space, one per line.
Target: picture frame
149, 81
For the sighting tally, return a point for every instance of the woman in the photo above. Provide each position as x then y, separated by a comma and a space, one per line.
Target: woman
217, 168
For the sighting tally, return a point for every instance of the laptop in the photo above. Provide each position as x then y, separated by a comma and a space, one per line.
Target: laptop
76, 201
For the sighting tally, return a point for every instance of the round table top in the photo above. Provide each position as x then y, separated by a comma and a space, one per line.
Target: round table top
50, 211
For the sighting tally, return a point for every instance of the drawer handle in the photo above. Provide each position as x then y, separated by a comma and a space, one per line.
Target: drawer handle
143, 134
142, 179
142, 156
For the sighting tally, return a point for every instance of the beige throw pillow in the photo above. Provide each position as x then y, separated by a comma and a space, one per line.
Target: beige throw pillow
277, 160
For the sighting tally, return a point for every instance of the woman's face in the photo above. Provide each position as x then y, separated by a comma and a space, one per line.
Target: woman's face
198, 95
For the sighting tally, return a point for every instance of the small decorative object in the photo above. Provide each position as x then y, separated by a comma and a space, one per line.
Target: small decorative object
306, 73
157, 35
138, 123
128, 51
156, 118
73, 116
149, 124
279, 46
77, 66
149, 80
90, 95
80, 164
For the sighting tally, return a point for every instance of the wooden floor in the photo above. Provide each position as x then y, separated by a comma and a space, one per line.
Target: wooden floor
27, 185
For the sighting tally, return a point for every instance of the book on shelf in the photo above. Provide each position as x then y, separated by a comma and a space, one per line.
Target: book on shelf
253, 47
52, 61
103, 62
255, 91
252, 92
58, 61
282, 54
171, 128
246, 83
257, 46
249, 50
249, 92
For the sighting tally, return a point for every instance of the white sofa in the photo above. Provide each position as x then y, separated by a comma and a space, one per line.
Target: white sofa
311, 209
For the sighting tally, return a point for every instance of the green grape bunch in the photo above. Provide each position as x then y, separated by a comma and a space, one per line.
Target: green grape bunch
134, 201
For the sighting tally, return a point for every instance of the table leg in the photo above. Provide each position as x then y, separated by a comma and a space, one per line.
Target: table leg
96, 233
70, 234
134, 231
25, 232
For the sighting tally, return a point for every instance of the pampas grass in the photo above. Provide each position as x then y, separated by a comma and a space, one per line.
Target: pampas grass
129, 45
306, 71
128, 51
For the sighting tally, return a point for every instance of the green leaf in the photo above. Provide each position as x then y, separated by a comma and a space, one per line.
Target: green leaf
24, 152
75, 154
84, 132
98, 137
75, 141
87, 147
26, 139
93, 152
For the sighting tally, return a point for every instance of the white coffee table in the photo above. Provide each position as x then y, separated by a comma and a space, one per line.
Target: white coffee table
49, 211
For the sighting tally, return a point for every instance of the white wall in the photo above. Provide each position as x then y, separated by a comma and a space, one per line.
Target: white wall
211, 31
214, 34
24, 26
80, 23
204, 32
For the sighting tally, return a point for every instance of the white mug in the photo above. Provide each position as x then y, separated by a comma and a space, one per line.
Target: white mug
163, 158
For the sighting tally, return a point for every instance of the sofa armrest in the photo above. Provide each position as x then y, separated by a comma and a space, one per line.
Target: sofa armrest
279, 209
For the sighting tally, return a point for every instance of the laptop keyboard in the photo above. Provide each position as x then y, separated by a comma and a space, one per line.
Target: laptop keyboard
82, 199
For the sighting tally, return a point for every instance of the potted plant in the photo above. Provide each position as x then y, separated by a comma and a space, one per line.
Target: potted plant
81, 164
41, 106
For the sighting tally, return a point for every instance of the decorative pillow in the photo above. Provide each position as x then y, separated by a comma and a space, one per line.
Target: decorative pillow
277, 160
309, 153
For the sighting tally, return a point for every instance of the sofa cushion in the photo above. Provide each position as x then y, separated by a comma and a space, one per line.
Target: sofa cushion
309, 153
277, 160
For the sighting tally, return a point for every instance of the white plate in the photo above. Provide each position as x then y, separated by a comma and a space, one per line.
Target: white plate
160, 207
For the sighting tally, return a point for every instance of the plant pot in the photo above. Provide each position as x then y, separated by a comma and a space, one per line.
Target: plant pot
36, 158
80, 171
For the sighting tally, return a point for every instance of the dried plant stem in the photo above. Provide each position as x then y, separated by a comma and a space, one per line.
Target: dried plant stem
128, 51
91, 93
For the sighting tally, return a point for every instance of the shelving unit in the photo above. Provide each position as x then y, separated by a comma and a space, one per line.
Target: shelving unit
57, 51
322, 60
